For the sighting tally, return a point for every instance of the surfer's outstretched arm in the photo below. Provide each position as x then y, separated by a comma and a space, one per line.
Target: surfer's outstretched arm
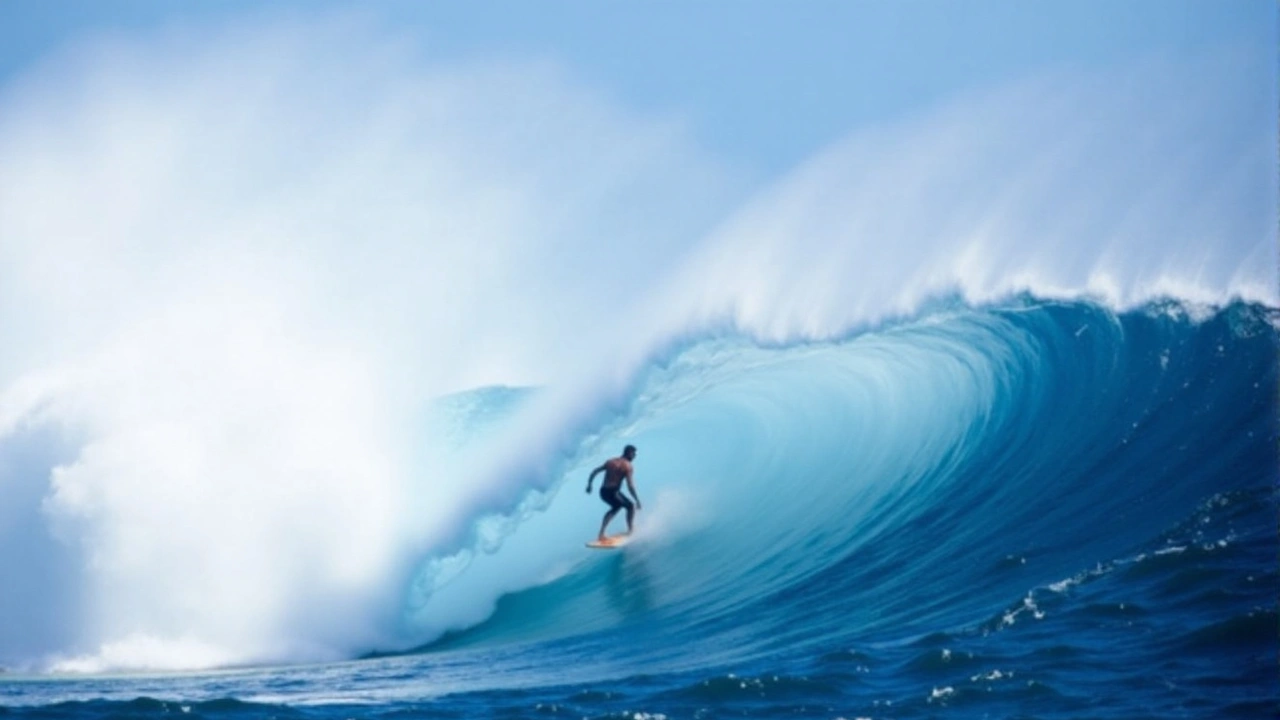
592, 479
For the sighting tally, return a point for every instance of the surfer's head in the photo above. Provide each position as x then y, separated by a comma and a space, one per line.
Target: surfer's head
629, 452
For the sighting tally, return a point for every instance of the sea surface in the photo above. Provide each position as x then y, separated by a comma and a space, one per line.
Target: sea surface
1032, 508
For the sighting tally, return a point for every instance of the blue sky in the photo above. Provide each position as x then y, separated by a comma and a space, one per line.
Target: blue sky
763, 83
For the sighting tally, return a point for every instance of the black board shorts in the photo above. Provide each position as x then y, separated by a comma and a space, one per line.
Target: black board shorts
615, 498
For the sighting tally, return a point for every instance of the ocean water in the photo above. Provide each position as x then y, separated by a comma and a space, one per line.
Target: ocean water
1030, 508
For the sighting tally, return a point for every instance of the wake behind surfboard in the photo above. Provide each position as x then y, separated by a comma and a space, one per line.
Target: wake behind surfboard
610, 543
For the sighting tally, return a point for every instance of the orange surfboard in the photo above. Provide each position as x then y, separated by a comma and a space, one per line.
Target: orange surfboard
609, 543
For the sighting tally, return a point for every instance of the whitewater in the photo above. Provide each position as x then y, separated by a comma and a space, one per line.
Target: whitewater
973, 413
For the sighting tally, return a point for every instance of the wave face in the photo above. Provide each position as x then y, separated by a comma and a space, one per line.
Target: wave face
953, 474
980, 507
1035, 502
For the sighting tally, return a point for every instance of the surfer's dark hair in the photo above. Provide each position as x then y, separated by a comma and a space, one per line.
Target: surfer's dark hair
628, 449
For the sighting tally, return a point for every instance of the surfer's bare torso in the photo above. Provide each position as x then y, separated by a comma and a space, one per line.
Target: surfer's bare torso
615, 471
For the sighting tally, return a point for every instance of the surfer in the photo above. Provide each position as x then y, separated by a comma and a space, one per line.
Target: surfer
615, 471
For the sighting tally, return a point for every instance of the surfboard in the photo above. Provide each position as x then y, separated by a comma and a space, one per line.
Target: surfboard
610, 543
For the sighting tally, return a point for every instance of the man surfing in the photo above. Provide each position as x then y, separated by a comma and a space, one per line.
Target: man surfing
615, 471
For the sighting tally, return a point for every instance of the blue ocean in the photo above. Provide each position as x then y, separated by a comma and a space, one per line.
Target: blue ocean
1030, 507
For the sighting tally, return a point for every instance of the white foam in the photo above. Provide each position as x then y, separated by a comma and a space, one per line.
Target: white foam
239, 264
141, 652
674, 513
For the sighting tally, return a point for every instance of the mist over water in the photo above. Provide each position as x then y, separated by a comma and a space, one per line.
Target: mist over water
236, 291
238, 274
1128, 186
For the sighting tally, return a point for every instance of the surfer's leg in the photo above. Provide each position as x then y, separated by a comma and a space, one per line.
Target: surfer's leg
607, 517
611, 496
631, 512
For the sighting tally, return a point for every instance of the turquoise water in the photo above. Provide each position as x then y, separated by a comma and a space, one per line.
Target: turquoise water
1033, 509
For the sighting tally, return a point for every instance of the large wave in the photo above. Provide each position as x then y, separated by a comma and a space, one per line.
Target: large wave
890, 483
231, 298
